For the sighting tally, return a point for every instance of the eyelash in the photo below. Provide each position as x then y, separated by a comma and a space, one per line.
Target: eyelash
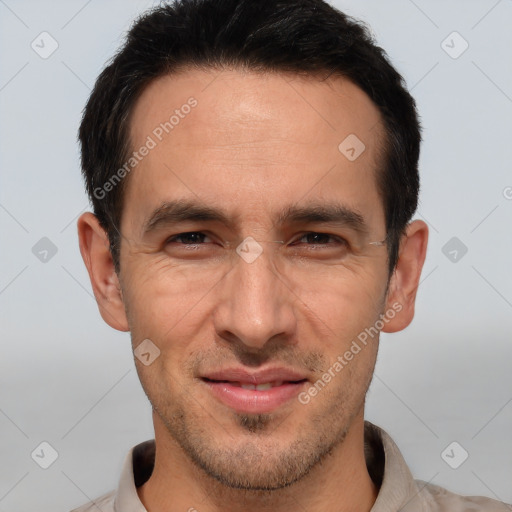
338, 239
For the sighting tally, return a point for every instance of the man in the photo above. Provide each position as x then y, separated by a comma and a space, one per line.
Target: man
253, 172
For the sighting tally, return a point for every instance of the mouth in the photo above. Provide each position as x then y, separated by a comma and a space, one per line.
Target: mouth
256, 387
257, 393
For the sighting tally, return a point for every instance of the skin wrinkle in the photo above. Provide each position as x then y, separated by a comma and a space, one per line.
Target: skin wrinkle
193, 439
298, 313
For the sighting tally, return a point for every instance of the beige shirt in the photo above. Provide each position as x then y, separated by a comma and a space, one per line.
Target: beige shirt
398, 491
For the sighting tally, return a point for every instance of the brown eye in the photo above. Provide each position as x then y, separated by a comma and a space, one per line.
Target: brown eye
314, 238
189, 238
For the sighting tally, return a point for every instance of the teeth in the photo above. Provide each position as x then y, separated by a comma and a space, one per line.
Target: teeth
262, 387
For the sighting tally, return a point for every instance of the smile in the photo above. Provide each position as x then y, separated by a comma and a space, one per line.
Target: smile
250, 397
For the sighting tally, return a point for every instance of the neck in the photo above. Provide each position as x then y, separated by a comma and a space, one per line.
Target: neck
340, 482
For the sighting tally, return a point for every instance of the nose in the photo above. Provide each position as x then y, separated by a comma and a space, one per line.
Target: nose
255, 305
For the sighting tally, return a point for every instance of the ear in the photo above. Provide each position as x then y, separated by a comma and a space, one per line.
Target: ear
404, 282
95, 250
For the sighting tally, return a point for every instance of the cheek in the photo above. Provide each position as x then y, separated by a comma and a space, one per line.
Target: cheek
160, 294
169, 310
173, 302
342, 304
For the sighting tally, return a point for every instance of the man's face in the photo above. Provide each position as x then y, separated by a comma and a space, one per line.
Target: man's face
263, 151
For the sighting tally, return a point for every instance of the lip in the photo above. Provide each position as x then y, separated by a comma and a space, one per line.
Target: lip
225, 386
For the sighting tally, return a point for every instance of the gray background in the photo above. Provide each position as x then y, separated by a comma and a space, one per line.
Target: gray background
68, 379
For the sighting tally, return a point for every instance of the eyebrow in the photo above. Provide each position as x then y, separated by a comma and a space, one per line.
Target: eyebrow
174, 212
325, 213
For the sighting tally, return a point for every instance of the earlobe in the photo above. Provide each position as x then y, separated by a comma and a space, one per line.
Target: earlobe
95, 250
405, 279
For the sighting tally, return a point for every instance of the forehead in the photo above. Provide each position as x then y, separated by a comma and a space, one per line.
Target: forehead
250, 139
242, 103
